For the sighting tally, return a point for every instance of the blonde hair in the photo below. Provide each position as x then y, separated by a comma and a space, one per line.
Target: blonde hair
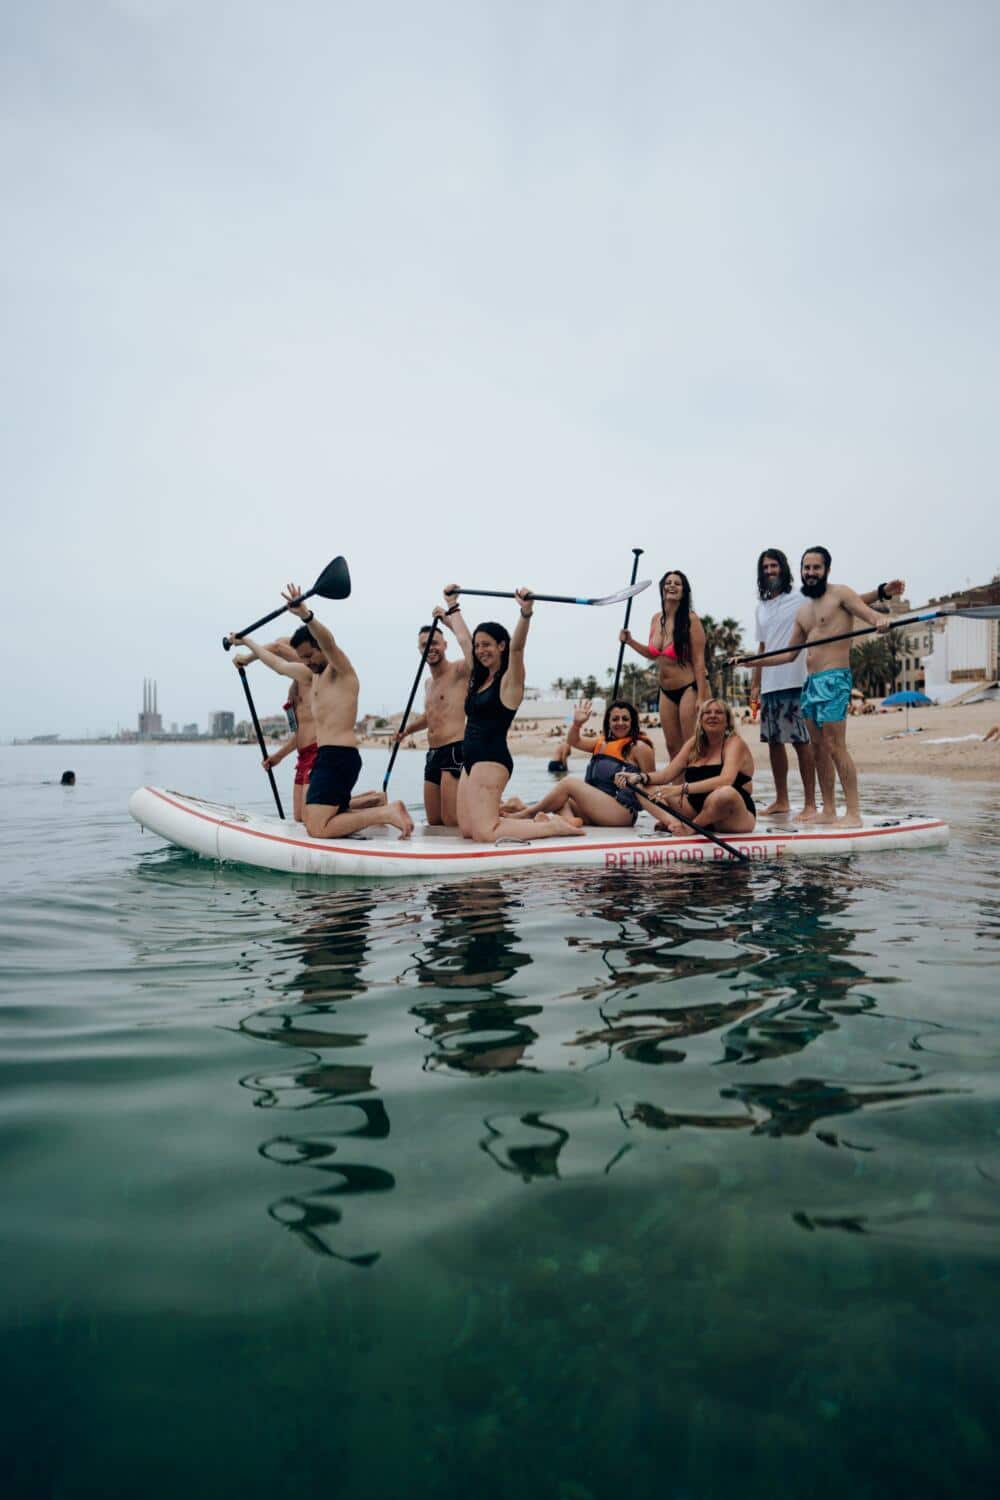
700, 737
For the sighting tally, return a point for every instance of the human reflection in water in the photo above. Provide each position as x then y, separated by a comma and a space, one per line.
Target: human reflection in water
328, 941
472, 946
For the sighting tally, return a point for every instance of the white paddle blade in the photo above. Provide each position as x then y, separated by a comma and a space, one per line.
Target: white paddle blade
623, 594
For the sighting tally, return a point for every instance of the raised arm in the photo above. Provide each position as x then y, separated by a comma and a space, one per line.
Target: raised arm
323, 637
512, 686
856, 606
574, 735
892, 589
452, 616
296, 669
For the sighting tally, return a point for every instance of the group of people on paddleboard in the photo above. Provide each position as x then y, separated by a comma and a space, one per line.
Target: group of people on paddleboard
471, 702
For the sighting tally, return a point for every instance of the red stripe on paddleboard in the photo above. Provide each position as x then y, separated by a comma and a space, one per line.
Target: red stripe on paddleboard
542, 846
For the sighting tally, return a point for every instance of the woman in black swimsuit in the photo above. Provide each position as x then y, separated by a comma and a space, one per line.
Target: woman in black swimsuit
719, 763
496, 688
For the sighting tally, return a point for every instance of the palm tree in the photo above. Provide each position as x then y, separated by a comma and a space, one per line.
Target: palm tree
871, 664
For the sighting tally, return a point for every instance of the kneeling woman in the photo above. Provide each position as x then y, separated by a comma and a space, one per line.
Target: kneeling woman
712, 777
596, 799
496, 689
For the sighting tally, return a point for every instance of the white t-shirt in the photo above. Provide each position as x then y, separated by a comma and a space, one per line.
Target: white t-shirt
775, 620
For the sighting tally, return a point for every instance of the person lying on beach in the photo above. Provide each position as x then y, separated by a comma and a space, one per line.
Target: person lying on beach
325, 672
717, 762
595, 799
444, 711
992, 734
828, 609
496, 691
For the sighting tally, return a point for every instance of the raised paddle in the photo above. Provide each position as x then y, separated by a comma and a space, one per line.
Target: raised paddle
636, 554
333, 583
970, 612
260, 740
619, 598
706, 832
409, 703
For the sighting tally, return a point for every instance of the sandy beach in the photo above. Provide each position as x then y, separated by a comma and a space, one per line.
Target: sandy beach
871, 738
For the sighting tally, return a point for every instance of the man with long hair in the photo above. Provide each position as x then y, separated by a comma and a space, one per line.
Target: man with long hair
778, 689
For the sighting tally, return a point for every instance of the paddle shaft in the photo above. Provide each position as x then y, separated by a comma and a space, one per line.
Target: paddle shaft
636, 554
705, 832
260, 739
847, 635
535, 598
409, 703
265, 619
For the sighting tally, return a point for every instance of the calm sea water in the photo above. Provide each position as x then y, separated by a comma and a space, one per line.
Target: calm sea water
567, 1186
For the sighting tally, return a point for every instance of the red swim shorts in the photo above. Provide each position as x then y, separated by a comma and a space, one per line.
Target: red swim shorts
304, 764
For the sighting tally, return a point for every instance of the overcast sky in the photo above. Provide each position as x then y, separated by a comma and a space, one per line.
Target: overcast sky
484, 292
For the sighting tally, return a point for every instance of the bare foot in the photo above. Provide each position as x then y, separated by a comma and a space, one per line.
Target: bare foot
807, 815
368, 799
400, 818
560, 824
850, 820
776, 810
826, 817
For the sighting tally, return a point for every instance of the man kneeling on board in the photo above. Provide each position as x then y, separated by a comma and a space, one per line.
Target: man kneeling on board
327, 674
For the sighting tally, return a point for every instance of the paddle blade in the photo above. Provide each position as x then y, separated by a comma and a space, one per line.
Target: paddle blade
623, 594
977, 611
335, 581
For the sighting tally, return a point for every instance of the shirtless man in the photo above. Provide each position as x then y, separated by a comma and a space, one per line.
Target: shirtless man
327, 674
299, 708
828, 609
778, 690
444, 712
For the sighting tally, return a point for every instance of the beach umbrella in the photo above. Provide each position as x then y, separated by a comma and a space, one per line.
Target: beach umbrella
904, 700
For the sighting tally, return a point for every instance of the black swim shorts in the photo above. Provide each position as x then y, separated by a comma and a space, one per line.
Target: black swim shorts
333, 776
443, 758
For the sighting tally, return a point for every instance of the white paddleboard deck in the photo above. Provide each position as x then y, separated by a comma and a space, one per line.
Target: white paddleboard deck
229, 835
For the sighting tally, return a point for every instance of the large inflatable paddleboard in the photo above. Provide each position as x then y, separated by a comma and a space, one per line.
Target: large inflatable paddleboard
227, 834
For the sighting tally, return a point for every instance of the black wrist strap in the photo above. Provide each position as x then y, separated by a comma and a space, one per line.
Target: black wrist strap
308, 619
882, 593
453, 608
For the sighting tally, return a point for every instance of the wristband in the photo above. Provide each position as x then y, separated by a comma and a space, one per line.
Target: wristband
308, 619
453, 608
882, 593
528, 615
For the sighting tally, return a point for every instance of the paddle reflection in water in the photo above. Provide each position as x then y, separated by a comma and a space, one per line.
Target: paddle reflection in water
331, 950
472, 944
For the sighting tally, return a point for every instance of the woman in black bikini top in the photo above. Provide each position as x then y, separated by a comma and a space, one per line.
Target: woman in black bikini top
496, 690
720, 762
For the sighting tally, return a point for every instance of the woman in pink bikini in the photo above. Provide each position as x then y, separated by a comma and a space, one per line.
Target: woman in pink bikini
677, 645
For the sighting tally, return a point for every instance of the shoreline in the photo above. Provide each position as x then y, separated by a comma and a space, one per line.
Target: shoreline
915, 754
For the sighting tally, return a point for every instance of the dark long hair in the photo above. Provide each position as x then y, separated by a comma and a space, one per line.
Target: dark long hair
682, 619
634, 727
479, 674
784, 577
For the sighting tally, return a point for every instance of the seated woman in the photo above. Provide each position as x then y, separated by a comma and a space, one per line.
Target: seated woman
718, 763
496, 691
596, 799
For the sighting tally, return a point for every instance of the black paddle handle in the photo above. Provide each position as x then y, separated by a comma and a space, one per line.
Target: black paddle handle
409, 704
264, 620
260, 736
637, 553
705, 832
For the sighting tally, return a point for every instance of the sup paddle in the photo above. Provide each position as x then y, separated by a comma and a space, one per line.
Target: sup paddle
970, 612
636, 554
260, 736
619, 598
705, 832
333, 583
409, 703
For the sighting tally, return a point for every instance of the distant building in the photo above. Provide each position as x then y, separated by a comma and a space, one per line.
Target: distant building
274, 726
222, 725
964, 653
191, 731
150, 722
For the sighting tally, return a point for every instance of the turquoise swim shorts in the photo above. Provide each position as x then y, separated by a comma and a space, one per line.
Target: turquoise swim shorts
826, 696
